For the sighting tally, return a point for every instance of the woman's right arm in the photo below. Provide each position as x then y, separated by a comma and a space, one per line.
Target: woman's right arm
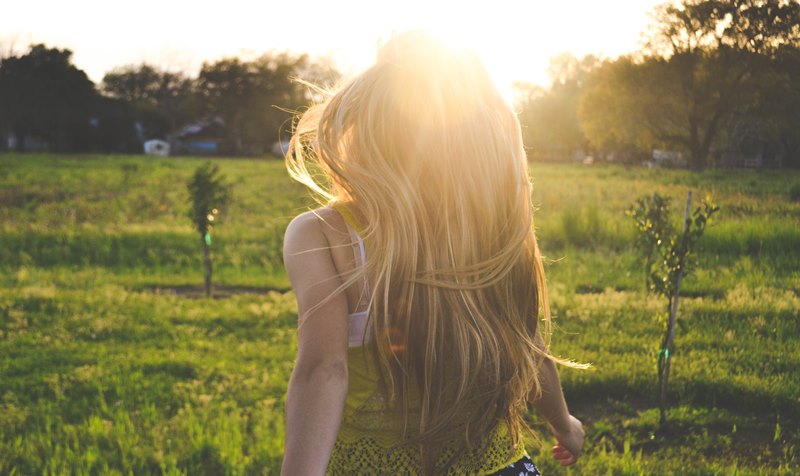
552, 406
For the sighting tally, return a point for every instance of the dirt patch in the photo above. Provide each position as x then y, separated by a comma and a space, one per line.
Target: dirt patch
592, 289
217, 292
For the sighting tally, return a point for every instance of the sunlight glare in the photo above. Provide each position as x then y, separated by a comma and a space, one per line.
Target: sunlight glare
480, 27
459, 37
515, 39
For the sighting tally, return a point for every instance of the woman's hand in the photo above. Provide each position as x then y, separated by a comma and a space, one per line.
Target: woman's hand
551, 405
570, 443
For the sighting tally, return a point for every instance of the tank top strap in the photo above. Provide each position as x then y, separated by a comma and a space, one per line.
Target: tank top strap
348, 216
361, 252
353, 227
361, 247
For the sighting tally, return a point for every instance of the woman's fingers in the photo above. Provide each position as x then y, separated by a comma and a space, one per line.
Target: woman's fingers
560, 451
564, 457
568, 461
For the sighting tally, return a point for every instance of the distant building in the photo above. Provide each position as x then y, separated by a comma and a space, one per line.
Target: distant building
9, 141
279, 148
752, 154
666, 158
205, 137
156, 147
29, 144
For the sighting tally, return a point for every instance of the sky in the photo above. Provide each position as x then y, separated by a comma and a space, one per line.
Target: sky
514, 38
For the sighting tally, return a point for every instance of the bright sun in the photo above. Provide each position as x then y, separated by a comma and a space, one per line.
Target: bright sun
491, 29
492, 53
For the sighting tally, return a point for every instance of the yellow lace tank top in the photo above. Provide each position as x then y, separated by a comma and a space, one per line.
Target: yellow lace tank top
369, 439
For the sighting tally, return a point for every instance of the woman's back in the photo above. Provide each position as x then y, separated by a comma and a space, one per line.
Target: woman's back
370, 437
424, 158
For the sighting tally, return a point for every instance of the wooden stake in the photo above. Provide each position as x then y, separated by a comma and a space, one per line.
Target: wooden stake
206, 265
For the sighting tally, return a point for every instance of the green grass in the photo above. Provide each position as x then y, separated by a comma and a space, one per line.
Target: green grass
109, 365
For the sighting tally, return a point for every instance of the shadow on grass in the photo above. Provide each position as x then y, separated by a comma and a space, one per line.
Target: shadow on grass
198, 292
722, 436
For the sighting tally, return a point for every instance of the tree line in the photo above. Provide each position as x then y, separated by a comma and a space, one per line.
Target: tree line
714, 78
44, 97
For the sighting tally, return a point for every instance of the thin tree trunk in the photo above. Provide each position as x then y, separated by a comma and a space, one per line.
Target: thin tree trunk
666, 345
206, 265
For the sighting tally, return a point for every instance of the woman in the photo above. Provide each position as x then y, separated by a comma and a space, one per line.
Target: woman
419, 282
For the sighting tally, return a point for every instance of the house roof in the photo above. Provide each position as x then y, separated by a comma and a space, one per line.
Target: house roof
215, 124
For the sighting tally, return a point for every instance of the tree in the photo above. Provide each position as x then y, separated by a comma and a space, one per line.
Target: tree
114, 127
133, 83
43, 94
162, 100
651, 215
760, 27
256, 98
771, 121
208, 194
705, 62
718, 50
549, 116
783, 109
228, 87
679, 102
613, 108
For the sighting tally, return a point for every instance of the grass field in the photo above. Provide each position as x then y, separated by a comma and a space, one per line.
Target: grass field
110, 362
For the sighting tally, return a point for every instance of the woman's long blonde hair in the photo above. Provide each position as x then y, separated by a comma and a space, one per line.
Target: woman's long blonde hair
427, 156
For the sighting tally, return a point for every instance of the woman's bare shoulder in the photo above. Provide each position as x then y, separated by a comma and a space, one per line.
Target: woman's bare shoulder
321, 227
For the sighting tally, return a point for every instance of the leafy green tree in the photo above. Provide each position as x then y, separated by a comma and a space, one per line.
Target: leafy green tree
651, 215
133, 83
657, 236
549, 116
706, 61
228, 86
114, 127
720, 50
678, 103
256, 98
773, 116
755, 26
783, 111
162, 100
208, 193
613, 108
43, 94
